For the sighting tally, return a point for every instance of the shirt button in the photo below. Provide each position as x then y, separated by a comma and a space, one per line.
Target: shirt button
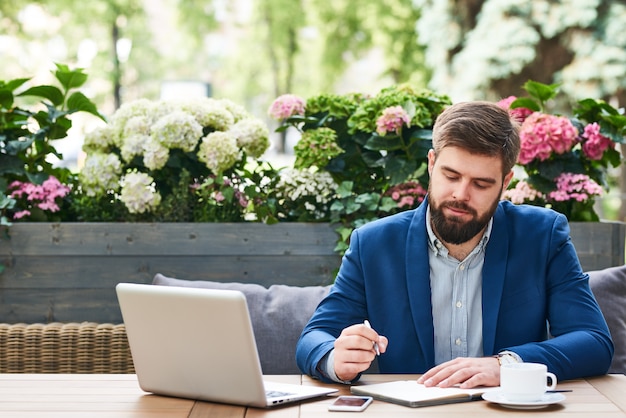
459, 304
457, 341
462, 267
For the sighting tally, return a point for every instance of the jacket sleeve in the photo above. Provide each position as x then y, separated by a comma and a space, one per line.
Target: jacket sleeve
579, 343
345, 305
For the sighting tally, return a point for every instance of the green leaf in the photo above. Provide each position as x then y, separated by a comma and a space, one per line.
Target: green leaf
423, 134
540, 91
526, 102
11, 164
345, 189
13, 84
6, 99
344, 232
70, 78
51, 93
399, 169
80, 103
379, 143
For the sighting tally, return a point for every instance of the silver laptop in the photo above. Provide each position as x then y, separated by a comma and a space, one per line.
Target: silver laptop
199, 344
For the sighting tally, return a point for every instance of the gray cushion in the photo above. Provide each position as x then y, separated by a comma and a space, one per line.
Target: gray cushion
278, 315
609, 288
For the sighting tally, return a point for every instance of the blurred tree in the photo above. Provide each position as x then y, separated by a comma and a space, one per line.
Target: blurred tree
352, 27
488, 49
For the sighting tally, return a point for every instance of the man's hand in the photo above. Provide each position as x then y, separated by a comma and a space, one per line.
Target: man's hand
466, 372
354, 350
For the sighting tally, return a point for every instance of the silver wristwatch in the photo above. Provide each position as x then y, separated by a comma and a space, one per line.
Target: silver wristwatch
508, 357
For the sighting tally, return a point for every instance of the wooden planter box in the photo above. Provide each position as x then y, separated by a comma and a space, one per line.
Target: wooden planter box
67, 272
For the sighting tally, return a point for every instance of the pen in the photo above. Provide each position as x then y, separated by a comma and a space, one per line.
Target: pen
367, 324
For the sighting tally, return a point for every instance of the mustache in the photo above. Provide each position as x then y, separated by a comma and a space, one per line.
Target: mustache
458, 205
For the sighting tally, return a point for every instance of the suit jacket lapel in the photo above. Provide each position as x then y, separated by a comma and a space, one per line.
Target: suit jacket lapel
494, 271
418, 283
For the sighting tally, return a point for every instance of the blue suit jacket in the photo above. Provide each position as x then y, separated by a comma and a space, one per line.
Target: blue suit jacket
531, 277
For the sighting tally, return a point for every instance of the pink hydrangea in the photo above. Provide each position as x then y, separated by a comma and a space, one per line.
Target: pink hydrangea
392, 120
519, 113
595, 143
542, 134
42, 196
522, 192
408, 194
286, 105
577, 187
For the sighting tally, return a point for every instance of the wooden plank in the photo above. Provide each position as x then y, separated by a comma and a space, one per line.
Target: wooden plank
106, 272
62, 305
169, 239
599, 244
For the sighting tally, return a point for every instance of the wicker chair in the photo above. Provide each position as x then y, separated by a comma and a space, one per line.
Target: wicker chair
85, 347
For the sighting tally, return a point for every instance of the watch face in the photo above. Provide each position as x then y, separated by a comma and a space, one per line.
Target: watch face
506, 359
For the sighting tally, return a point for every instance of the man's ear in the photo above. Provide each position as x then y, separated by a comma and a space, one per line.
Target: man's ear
431, 161
507, 180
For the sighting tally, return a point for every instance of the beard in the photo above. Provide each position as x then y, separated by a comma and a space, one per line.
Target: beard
452, 229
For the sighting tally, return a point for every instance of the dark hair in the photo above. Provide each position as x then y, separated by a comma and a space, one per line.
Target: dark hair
481, 128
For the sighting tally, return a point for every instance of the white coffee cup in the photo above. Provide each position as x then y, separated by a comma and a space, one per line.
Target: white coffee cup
525, 382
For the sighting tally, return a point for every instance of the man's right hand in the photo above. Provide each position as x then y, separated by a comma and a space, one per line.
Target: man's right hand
354, 350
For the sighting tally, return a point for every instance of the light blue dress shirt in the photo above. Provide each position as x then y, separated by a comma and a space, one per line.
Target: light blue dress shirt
456, 295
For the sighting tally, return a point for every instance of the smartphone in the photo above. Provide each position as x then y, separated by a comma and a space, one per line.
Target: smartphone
350, 403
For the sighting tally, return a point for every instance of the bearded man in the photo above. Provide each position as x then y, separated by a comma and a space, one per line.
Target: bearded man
463, 283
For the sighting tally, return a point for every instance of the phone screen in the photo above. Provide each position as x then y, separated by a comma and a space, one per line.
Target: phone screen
350, 403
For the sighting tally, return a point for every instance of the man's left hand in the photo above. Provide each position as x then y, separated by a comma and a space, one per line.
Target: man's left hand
466, 372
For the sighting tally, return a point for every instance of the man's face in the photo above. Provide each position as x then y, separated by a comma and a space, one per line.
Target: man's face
463, 192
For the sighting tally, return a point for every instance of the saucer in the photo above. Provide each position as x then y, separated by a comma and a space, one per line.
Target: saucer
546, 399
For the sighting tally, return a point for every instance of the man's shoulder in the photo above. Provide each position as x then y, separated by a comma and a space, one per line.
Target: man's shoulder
394, 222
528, 218
527, 211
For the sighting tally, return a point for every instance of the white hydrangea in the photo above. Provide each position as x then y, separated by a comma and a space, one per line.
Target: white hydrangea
155, 155
219, 151
252, 136
177, 130
137, 125
296, 184
238, 111
100, 173
140, 107
210, 113
132, 146
98, 139
139, 193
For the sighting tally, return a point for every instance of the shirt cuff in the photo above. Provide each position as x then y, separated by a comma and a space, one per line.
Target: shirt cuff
327, 367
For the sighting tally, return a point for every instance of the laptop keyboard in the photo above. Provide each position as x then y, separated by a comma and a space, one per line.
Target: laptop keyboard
276, 393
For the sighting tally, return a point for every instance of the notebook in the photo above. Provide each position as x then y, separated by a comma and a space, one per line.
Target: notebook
199, 344
410, 393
